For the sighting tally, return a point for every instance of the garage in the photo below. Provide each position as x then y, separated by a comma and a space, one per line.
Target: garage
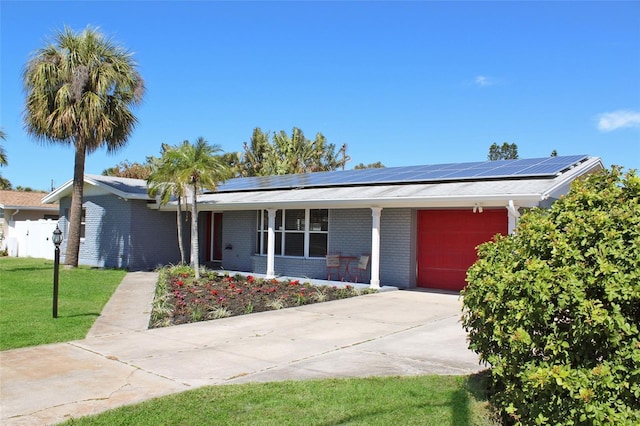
447, 241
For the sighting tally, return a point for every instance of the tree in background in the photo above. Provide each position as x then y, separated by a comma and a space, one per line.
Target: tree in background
280, 154
554, 308
554, 153
4, 183
253, 160
126, 169
3, 154
376, 165
197, 167
508, 151
79, 91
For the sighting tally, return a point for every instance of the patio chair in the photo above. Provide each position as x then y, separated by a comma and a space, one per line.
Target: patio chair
363, 265
333, 265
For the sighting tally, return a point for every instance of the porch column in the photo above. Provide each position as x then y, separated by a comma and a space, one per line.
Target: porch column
271, 244
375, 247
514, 215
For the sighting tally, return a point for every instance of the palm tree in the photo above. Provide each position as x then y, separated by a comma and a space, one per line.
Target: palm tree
3, 154
79, 90
255, 154
198, 167
161, 182
4, 183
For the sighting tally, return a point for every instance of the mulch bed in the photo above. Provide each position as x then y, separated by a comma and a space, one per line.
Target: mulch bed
180, 299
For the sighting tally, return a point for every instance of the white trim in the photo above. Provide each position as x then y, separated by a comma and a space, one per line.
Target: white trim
271, 244
67, 189
375, 247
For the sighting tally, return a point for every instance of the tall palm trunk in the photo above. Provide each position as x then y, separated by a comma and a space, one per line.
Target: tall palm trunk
75, 212
180, 242
195, 248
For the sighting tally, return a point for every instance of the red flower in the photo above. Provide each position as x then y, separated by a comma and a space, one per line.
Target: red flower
295, 282
180, 283
250, 279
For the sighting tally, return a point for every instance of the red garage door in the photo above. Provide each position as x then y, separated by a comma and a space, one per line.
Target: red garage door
447, 241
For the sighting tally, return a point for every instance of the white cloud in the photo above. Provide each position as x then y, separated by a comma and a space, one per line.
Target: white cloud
484, 81
609, 121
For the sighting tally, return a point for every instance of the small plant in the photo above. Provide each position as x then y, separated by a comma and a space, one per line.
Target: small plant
218, 312
198, 312
320, 295
277, 304
248, 308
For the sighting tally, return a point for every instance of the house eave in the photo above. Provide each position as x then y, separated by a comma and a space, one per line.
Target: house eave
30, 208
67, 188
522, 200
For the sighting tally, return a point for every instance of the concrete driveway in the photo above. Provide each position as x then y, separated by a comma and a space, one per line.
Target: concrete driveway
120, 362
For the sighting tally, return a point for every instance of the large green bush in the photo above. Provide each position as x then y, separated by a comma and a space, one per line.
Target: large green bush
554, 308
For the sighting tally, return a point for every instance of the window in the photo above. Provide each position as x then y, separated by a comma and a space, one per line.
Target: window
83, 220
298, 232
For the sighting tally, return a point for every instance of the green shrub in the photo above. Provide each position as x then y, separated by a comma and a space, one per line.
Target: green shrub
555, 308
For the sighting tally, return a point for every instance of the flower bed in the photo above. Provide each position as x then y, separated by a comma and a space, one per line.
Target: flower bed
181, 299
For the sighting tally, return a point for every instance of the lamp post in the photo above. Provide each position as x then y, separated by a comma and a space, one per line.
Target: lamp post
57, 239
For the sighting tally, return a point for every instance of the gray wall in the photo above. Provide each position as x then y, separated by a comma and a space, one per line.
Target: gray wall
154, 238
239, 233
397, 247
349, 234
126, 234
123, 234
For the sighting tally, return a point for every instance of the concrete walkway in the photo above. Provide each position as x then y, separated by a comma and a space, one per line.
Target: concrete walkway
121, 362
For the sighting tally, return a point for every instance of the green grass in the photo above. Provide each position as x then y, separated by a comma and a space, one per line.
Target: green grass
419, 400
26, 301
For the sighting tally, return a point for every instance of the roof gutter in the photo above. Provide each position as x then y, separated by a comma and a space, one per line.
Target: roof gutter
526, 200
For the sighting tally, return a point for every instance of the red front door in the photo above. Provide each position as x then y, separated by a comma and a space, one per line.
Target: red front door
447, 241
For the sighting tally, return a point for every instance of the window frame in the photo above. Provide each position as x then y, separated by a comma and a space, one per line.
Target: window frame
83, 222
281, 232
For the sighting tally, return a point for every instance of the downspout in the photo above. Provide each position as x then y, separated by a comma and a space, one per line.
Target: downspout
12, 222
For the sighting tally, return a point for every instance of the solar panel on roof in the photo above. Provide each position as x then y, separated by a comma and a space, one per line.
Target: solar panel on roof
547, 167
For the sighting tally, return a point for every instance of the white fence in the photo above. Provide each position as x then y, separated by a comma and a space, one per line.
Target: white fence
31, 238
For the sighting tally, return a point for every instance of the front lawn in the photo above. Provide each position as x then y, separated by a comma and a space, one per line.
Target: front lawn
26, 301
420, 400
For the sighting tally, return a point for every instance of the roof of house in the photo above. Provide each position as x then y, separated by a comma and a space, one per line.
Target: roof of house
393, 187
525, 192
547, 167
24, 200
126, 188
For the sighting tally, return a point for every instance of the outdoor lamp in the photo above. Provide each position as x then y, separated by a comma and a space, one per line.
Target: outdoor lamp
57, 236
57, 239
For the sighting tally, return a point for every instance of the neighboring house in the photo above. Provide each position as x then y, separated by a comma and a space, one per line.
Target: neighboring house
23, 223
419, 225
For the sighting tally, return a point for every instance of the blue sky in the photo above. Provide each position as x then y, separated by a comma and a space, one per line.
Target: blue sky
404, 83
